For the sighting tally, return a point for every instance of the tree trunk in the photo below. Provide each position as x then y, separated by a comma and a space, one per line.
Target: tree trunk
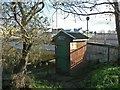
20, 70
23, 62
117, 20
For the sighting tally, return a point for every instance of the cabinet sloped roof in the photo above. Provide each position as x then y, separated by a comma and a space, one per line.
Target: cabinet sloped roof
70, 35
78, 35
63, 33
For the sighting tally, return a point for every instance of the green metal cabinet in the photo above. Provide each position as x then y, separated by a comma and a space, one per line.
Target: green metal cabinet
62, 52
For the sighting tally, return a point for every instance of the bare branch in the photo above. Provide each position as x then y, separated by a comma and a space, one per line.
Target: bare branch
33, 11
13, 8
26, 35
40, 8
105, 12
21, 8
80, 8
82, 4
94, 5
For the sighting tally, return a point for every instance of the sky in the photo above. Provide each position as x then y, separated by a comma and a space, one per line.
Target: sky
96, 23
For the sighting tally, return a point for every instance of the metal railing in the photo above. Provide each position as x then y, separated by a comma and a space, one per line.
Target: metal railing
101, 52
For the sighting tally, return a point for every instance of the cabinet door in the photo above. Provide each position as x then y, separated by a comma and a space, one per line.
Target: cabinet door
62, 57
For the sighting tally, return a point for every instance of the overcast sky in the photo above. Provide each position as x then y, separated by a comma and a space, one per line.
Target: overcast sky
96, 23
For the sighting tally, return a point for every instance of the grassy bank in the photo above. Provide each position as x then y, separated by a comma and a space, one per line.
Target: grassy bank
102, 76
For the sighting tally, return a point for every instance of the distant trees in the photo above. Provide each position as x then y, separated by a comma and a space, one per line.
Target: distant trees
111, 31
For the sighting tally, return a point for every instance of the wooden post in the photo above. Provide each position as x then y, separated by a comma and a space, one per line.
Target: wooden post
108, 54
117, 20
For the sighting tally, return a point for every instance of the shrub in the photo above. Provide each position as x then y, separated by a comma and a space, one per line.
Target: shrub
106, 78
103, 77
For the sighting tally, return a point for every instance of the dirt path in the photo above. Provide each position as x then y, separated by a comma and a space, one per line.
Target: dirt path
73, 81
70, 81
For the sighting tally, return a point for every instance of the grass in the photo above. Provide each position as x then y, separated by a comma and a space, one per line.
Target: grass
102, 76
98, 76
42, 80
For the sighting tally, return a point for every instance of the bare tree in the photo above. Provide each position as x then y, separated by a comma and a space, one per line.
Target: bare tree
24, 16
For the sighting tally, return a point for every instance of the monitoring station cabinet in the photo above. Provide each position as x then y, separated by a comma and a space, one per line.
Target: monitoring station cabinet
63, 51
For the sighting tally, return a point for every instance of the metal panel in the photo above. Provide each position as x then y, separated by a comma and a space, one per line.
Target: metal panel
62, 56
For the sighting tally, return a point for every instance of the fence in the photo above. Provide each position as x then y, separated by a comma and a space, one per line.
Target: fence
0, 62
101, 52
77, 55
